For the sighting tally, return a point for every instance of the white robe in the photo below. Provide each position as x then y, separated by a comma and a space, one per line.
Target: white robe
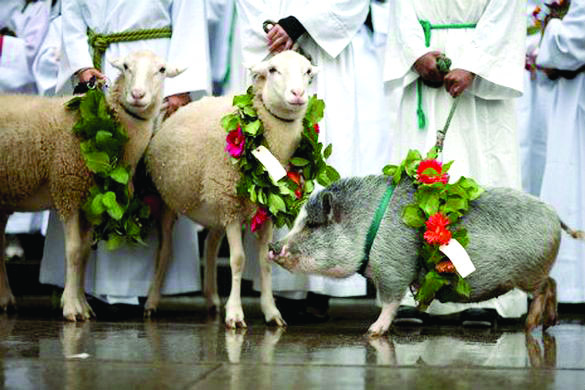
126, 273
563, 184
16, 76
333, 28
482, 136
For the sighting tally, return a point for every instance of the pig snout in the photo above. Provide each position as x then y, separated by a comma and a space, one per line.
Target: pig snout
276, 252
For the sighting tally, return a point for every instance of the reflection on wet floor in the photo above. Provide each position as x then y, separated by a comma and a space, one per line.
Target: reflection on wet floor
197, 352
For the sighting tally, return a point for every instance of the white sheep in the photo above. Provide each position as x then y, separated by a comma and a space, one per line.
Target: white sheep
41, 165
195, 177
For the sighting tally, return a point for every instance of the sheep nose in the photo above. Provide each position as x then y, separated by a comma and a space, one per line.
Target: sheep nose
297, 92
138, 93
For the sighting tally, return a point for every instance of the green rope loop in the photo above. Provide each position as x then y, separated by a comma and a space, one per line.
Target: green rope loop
427, 28
100, 42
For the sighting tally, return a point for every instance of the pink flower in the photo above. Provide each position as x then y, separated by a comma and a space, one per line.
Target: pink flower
430, 178
437, 232
316, 128
258, 219
235, 142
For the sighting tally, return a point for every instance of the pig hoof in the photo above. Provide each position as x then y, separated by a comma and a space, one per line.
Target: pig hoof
276, 320
235, 324
7, 302
77, 309
377, 330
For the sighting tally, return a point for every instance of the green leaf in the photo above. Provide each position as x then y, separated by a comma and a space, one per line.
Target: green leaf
461, 236
463, 287
230, 122
275, 204
413, 216
432, 154
98, 162
112, 206
250, 111
114, 242
328, 150
97, 206
252, 128
446, 167
309, 186
241, 101
432, 283
531, 30
428, 201
455, 204
389, 170
299, 162
120, 175
471, 187
332, 174
73, 104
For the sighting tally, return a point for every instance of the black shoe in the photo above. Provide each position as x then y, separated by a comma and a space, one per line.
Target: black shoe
410, 315
479, 318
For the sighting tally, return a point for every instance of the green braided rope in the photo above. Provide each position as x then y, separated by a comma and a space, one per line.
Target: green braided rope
100, 42
427, 27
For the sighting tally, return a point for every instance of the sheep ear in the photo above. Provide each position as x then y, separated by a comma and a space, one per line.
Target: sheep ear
260, 69
173, 71
117, 63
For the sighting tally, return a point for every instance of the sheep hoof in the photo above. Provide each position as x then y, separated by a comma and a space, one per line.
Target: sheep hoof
7, 302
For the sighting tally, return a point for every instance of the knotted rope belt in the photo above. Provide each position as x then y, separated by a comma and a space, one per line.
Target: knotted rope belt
427, 28
100, 42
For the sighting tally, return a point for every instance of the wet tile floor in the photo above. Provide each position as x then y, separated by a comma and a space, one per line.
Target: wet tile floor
183, 348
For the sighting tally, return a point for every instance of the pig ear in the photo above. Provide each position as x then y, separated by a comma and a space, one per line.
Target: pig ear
330, 211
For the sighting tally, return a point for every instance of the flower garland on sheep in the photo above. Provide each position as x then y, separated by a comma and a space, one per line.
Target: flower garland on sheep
436, 212
113, 213
281, 200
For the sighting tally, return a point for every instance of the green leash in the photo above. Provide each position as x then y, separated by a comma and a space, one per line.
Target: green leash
374, 226
427, 28
100, 42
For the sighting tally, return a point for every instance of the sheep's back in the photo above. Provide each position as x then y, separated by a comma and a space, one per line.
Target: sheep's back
189, 165
30, 128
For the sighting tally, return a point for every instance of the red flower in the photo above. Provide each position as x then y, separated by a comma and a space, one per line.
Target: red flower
258, 219
437, 232
235, 142
536, 11
295, 177
316, 128
430, 178
299, 193
154, 203
445, 267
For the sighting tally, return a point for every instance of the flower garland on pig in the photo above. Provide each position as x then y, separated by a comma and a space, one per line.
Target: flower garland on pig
436, 211
281, 200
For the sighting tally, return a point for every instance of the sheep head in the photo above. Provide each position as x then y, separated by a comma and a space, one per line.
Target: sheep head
143, 74
282, 82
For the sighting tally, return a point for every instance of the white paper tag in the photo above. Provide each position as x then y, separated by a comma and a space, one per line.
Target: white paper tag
459, 257
78, 356
272, 165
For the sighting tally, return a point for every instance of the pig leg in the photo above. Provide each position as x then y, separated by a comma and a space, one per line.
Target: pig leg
271, 313
537, 307
210, 251
550, 304
234, 314
163, 259
6, 297
77, 247
383, 322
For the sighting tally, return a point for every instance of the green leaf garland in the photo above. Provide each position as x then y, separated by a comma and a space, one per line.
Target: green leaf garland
284, 198
452, 201
115, 216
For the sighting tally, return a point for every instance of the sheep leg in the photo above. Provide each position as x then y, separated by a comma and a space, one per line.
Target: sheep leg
77, 248
6, 297
210, 252
271, 313
234, 314
163, 258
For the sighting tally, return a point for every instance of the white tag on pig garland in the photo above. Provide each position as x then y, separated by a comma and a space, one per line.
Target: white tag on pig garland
272, 165
459, 257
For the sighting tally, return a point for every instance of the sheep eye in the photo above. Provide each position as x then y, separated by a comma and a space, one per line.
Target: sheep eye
162, 69
309, 72
125, 66
272, 69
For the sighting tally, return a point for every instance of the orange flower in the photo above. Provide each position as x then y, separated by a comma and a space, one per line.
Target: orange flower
432, 177
445, 266
437, 232
295, 177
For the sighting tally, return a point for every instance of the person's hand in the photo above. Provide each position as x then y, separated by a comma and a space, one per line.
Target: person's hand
278, 39
86, 74
173, 102
426, 67
457, 81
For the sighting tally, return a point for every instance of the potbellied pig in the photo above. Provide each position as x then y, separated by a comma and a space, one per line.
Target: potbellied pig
513, 241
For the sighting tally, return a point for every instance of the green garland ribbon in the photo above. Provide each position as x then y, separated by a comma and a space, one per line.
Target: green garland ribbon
308, 161
451, 200
114, 215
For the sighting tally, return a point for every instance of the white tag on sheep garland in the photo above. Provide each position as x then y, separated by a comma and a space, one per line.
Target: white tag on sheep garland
272, 165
